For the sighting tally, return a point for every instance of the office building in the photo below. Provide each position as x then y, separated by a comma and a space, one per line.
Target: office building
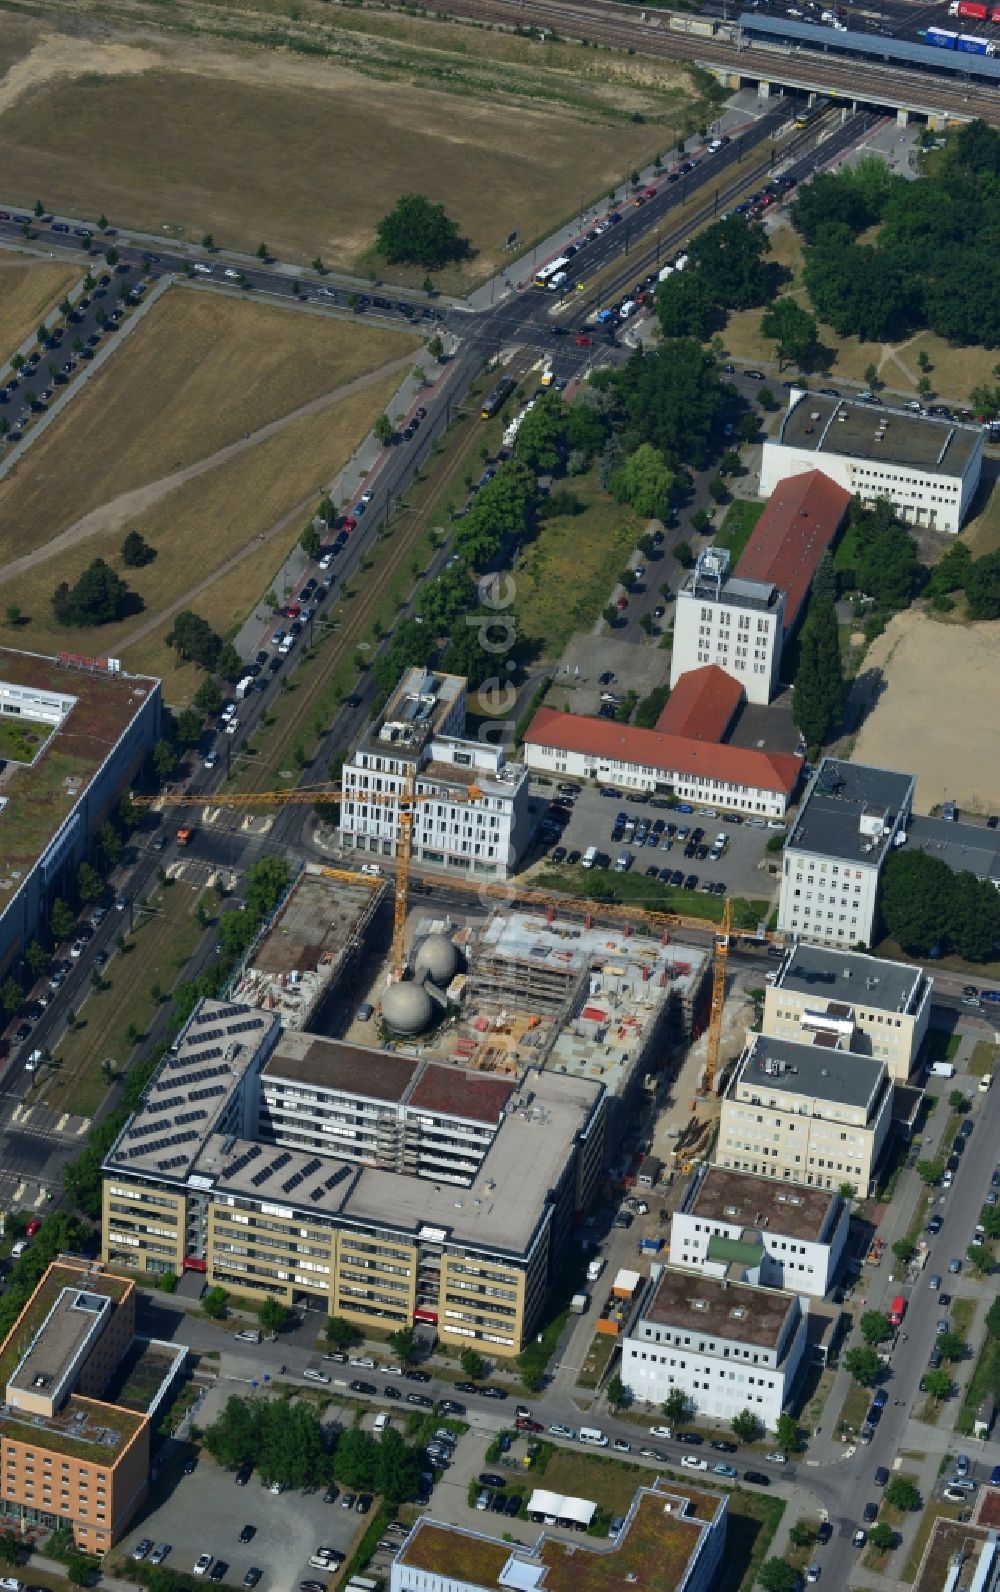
806, 1113
738, 778
385, 1188
927, 468
871, 1007
673, 1536
730, 622
74, 733
728, 1346
848, 822
70, 1456
471, 811
783, 1235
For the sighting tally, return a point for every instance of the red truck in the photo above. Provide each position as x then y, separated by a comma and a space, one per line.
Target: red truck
897, 1310
970, 10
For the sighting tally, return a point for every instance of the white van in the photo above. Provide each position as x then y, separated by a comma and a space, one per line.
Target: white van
594, 1436
589, 857
942, 1069
205, 270
382, 1420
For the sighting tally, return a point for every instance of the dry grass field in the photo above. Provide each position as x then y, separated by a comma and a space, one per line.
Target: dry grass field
942, 692
221, 522
198, 374
29, 292
953, 371
306, 147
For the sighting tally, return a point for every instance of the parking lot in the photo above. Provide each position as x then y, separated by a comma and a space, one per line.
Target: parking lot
743, 868
206, 1511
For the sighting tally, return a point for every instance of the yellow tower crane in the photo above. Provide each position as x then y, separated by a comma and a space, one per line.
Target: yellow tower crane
718, 995
406, 801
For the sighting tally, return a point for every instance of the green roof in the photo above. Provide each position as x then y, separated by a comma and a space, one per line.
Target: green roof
742, 1250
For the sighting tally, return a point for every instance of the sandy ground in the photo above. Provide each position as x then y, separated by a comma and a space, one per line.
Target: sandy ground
937, 693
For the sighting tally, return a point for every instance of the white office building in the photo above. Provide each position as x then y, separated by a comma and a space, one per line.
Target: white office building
872, 1007
850, 818
806, 1113
928, 468
783, 1235
736, 624
729, 1346
471, 810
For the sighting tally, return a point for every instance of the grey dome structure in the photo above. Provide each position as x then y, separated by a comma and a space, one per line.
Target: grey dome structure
437, 959
407, 1008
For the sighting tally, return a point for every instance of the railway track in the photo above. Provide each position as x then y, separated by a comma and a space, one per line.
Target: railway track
299, 711
621, 27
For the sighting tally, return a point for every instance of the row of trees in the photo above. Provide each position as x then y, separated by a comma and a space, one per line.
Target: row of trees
935, 255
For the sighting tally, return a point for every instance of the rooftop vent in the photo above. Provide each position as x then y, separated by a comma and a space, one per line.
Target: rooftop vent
739, 1312
699, 1304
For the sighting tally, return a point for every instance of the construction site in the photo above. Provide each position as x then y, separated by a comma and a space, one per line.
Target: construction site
306, 963
522, 988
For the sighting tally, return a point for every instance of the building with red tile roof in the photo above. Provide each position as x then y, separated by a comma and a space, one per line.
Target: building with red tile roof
702, 705
738, 619
802, 517
739, 778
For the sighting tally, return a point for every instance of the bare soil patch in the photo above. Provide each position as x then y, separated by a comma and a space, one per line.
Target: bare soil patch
935, 715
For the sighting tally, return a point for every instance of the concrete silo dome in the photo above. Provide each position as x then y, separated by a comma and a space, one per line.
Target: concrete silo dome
437, 959
407, 1008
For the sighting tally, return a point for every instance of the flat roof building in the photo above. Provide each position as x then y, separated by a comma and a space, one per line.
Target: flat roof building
672, 1536
74, 733
71, 1456
966, 848
729, 1346
874, 1007
785, 1235
850, 818
472, 813
392, 1189
806, 1113
927, 468
309, 955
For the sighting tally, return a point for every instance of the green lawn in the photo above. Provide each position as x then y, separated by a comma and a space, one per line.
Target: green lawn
736, 528
600, 885
22, 739
565, 576
984, 1058
161, 944
985, 1379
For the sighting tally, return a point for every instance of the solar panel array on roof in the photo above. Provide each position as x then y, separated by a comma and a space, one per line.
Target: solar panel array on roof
247, 1026
300, 1177
265, 1172
201, 1074
168, 1104
210, 1054
164, 1144
212, 1033
209, 1093
175, 1160
143, 1128
191, 1116
241, 1161
228, 1011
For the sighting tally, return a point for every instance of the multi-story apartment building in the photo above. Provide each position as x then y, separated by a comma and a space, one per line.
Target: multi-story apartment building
785, 1235
729, 1346
68, 1456
849, 819
76, 732
673, 1536
389, 1189
871, 1007
927, 468
806, 1113
472, 807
